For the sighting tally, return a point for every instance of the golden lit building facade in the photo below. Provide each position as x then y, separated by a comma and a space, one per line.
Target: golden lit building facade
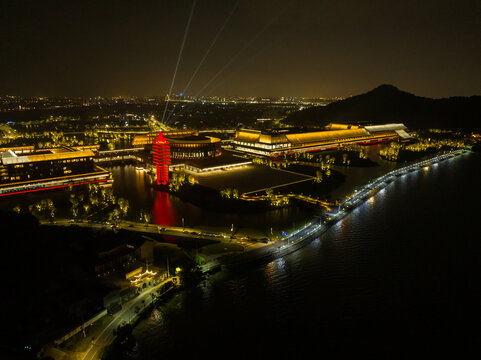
47, 168
283, 141
195, 147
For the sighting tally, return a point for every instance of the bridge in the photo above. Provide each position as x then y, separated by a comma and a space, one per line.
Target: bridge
222, 131
120, 155
280, 197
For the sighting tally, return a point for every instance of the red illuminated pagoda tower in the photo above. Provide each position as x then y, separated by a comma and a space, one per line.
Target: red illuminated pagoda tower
161, 155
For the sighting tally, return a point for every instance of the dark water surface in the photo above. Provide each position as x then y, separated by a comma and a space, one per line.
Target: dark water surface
399, 276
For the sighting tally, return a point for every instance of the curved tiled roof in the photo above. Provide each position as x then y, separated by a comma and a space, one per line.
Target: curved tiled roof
273, 139
248, 136
47, 157
325, 136
194, 140
385, 127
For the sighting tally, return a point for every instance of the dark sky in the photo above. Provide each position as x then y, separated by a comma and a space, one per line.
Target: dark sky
271, 48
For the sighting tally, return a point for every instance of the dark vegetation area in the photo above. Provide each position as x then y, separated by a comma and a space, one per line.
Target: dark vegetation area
387, 104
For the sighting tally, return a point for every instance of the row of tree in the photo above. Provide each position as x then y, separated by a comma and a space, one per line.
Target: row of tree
230, 193
422, 143
96, 202
100, 201
179, 179
44, 209
325, 161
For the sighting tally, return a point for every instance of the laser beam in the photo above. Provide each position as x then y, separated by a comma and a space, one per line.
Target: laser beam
178, 59
211, 46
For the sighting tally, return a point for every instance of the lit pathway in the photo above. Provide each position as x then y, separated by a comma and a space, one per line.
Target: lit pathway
146, 228
127, 313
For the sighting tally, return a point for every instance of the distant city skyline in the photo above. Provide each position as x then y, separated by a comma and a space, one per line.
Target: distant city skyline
240, 48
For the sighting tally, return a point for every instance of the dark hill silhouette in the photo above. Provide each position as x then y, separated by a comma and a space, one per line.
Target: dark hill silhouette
387, 104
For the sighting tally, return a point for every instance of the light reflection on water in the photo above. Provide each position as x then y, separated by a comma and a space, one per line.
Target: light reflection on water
275, 269
163, 211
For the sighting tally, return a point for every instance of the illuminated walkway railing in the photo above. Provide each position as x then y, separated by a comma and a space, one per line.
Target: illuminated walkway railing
381, 181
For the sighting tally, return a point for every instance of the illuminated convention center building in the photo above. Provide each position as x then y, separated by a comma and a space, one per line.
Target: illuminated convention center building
195, 147
190, 151
284, 141
184, 144
25, 169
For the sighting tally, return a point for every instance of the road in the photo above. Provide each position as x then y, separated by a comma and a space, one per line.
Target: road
147, 228
126, 314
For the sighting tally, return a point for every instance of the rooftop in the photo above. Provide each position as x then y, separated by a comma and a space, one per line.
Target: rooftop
192, 139
295, 136
9, 157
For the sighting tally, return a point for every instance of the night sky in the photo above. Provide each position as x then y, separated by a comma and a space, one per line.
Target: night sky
267, 48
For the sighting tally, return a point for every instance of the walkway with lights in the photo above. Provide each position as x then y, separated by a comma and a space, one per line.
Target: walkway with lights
382, 181
146, 228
